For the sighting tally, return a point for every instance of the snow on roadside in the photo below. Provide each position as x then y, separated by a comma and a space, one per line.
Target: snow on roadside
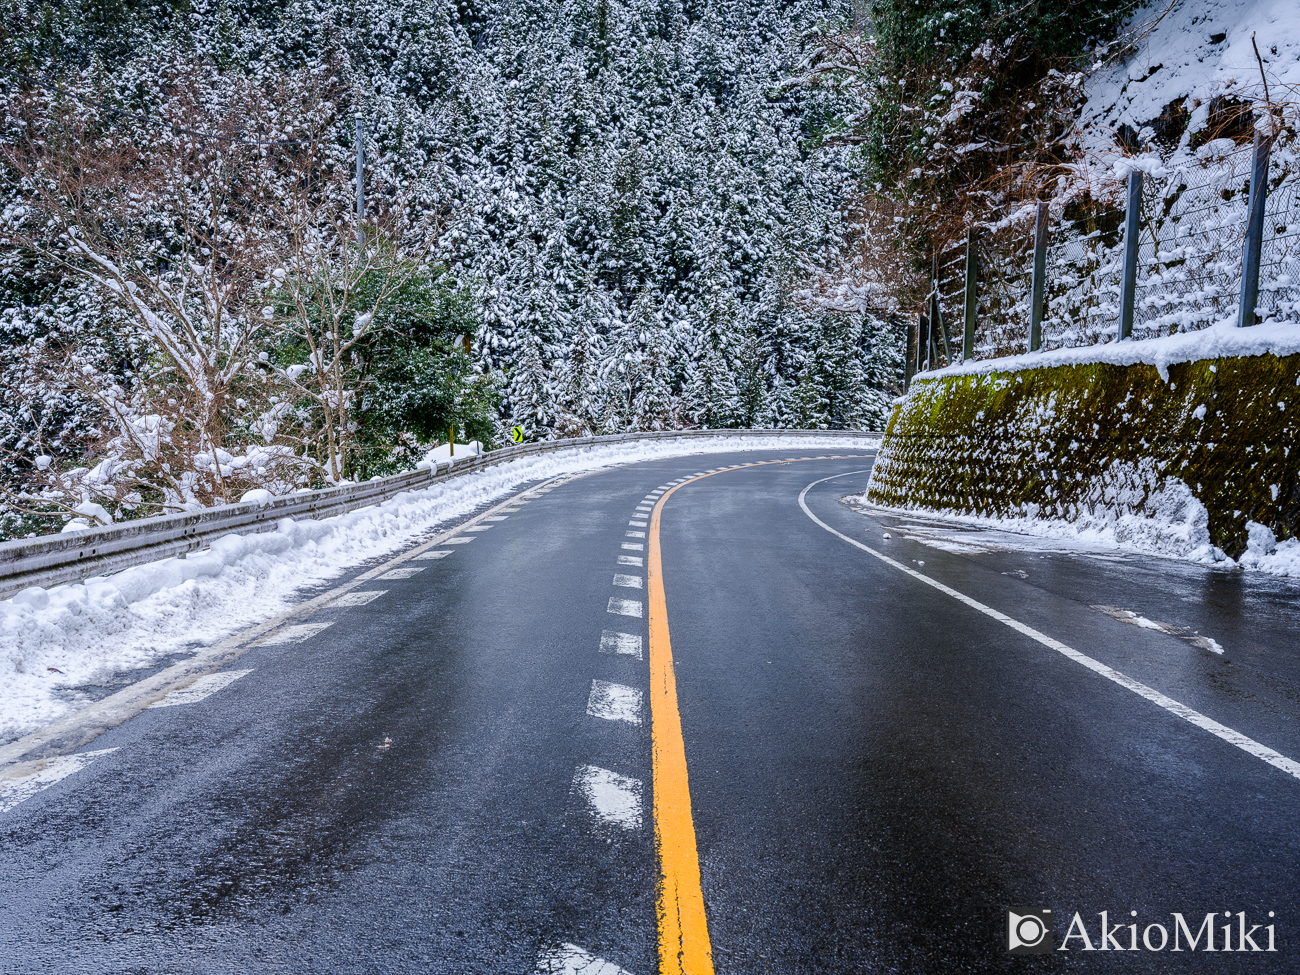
75, 635
1174, 525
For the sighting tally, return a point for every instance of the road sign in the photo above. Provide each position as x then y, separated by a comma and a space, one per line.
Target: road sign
517, 434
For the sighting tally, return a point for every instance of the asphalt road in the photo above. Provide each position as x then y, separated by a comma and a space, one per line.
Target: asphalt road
458, 775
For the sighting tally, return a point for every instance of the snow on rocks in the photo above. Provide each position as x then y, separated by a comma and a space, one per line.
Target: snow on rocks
56, 641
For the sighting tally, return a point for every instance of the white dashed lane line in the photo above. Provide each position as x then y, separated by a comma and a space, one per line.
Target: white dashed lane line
201, 688
636, 524
634, 546
614, 702
497, 518
628, 582
611, 798
23, 787
402, 572
631, 560
294, 634
433, 553
629, 644
459, 540
478, 528
569, 959
357, 597
634, 534
625, 607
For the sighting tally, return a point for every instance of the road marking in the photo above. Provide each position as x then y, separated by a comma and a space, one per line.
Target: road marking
634, 534
515, 508
1235, 738
571, 960
358, 597
611, 797
403, 572
625, 607
614, 702
16, 790
631, 560
478, 528
459, 540
294, 634
684, 947
636, 524
437, 553
628, 644
627, 582
497, 518
201, 688
634, 546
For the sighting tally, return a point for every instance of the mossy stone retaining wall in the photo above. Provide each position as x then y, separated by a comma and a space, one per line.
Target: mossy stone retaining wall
1061, 441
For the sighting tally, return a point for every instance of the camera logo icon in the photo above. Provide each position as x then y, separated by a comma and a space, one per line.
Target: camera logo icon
1029, 932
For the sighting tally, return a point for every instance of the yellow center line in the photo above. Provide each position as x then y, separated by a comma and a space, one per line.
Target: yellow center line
684, 946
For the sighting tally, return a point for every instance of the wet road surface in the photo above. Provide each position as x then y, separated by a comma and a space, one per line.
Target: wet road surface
457, 773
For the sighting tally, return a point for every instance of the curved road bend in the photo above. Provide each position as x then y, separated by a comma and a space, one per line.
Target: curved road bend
840, 763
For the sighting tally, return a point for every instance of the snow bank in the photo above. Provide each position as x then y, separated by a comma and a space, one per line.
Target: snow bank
1219, 341
69, 637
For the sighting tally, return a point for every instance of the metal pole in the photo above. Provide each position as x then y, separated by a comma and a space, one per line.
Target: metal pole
1254, 232
936, 313
1039, 280
909, 366
972, 272
361, 176
923, 344
1132, 227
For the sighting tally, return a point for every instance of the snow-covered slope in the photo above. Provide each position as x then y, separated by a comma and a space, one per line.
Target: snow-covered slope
1192, 51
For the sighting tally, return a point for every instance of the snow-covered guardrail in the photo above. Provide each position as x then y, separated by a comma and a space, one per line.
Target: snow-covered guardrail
74, 556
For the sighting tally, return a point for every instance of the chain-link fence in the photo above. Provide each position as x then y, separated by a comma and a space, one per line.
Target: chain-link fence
1188, 272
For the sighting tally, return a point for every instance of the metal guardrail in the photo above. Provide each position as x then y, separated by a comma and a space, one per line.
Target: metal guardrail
51, 560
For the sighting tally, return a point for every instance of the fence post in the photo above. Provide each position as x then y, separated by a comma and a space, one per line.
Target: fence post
1132, 227
1039, 280
1254, 232
923, 343
913, 349
968, 338
936, 313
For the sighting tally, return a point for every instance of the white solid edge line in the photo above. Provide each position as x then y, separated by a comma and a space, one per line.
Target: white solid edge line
1248, 745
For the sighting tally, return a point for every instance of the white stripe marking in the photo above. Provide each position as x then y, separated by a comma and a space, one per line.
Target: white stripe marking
636, 524
1236, 738
569, 959
614, 702
628, 582
611, 797
15, 791
631, 560
402, 572
634, 534
479, 528
436, 553
458, 540
295, 634
201, 688
496, 518
634, 546
629, 644
359, 597
624, 607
